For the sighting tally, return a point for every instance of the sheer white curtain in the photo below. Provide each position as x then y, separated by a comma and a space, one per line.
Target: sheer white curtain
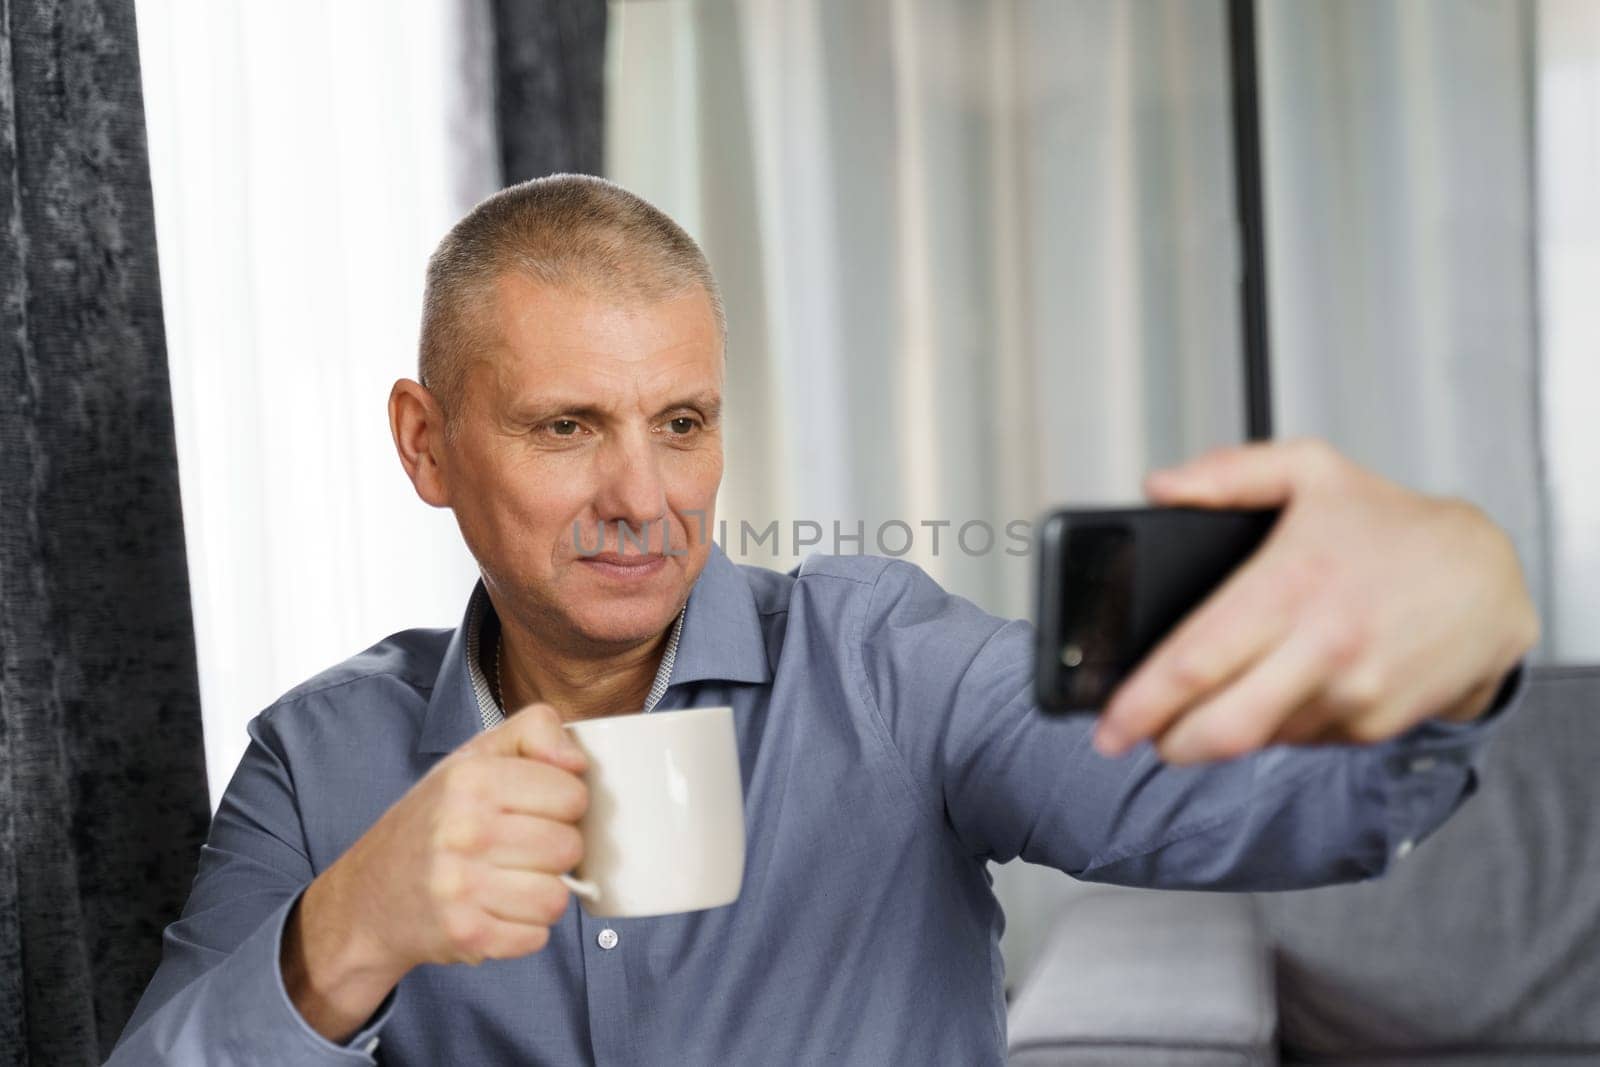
979, 258
1401, 227
1433, 185
1568, 165
305, 157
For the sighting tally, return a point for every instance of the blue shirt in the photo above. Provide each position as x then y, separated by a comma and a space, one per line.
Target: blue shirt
890, 752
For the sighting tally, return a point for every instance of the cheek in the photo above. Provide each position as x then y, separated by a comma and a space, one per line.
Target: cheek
692, 497
694, 478
538, 501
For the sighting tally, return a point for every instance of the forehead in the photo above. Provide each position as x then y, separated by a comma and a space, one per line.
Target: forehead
566, 338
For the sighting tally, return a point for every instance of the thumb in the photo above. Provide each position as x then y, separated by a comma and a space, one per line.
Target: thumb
1262, 474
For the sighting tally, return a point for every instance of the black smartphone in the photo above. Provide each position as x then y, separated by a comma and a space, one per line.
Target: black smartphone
1113, 582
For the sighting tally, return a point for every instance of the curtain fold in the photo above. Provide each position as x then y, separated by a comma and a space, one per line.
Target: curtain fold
1566, 169
102, 778
1401, 236
549, 82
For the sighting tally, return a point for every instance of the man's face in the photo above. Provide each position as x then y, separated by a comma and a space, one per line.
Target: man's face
588, 415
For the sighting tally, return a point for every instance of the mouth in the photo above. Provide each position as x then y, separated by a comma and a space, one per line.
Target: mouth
625, 568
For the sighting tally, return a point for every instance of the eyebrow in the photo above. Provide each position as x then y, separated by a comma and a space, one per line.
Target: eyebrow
708, 403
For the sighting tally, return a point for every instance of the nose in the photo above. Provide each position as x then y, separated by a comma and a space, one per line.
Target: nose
631, 489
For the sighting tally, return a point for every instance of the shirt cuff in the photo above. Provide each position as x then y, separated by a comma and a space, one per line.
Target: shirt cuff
269, 1024
1429, 771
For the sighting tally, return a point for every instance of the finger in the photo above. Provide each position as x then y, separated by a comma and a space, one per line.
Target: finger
1370, 728
1261, 474
536, 733
1234, 626
530, 787
1332, 733
1352, 709
1471, 704
533, 843
479, 936
1244, 715
1306, 726
523, 896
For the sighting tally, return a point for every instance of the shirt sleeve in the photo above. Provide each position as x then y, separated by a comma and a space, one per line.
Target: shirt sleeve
218, 996
952, 687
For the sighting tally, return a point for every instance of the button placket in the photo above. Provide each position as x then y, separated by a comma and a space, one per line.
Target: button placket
606, 982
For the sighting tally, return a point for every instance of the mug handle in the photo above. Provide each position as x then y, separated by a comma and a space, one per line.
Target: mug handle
587, 890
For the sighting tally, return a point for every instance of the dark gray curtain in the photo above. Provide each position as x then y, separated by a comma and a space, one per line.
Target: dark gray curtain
549, 86
103, 801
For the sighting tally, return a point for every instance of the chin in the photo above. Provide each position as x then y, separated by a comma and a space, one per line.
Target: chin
612, 608
616, 617
626, 625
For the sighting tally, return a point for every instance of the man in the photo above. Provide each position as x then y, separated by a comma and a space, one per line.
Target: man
388, 824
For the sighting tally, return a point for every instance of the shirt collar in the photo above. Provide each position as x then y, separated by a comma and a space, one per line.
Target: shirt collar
717, 636
483, 628
722, 636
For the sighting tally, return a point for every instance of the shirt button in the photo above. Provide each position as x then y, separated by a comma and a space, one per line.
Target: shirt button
607, 939
1422, 763
1401, 851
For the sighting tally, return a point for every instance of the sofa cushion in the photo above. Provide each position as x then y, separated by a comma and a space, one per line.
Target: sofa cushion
1154, 979
1503, 1057
1487, 936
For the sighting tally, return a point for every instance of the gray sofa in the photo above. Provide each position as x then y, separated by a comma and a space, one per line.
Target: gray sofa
1481, 947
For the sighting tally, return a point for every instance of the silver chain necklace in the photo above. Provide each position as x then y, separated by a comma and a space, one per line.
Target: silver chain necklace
499, 658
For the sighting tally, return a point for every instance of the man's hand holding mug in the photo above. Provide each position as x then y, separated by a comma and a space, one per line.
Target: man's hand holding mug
464, 867
471, 863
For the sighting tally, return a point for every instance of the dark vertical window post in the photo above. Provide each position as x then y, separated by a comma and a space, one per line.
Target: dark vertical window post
1252, 208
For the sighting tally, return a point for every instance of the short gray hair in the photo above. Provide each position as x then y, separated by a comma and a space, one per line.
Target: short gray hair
563, 230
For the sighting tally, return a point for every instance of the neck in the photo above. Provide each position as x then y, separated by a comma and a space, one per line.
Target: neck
578, 687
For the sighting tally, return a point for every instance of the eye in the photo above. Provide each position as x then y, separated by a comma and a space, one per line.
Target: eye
683, 424
564, 427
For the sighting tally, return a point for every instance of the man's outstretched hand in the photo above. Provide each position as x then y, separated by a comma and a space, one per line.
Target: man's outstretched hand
1368, 609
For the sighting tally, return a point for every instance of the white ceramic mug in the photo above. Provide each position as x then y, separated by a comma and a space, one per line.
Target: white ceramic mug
664, 831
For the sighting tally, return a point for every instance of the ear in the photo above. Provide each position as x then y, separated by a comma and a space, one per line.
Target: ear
417, 423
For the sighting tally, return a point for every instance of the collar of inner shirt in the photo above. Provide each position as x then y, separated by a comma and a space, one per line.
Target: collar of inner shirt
482, 624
